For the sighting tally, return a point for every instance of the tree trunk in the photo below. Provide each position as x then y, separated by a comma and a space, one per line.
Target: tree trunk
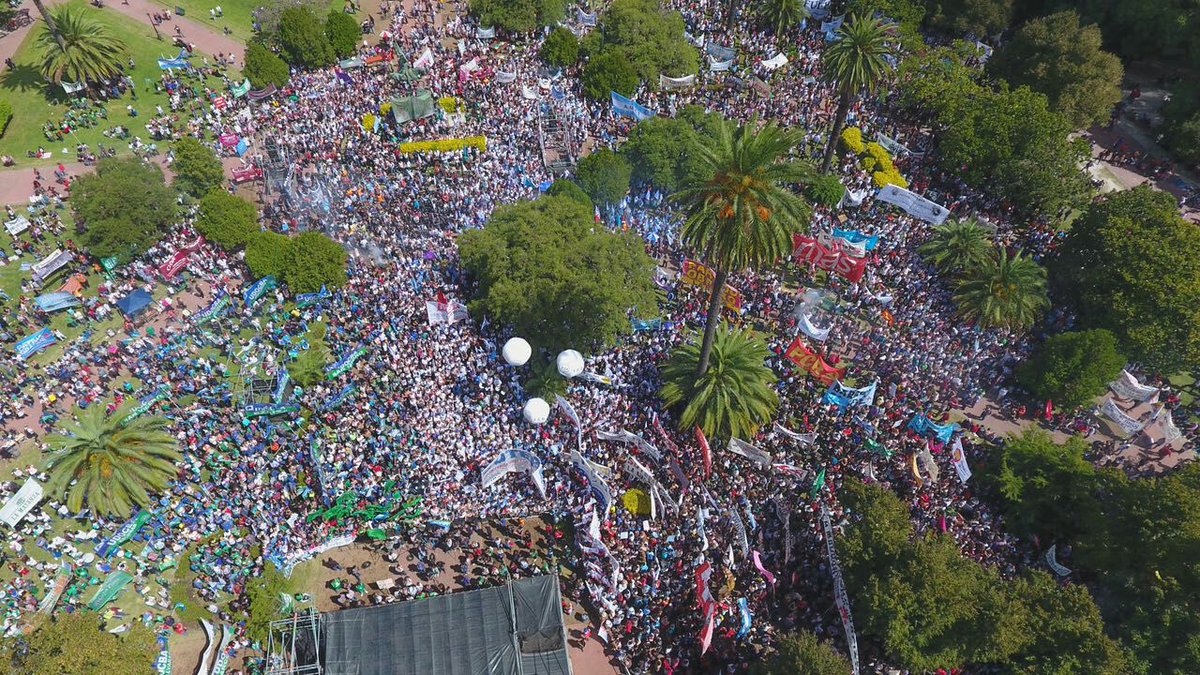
41, 8
730, 7
839, 121
715, 303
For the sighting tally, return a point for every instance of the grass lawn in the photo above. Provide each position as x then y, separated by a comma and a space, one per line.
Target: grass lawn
237, 14
35, 102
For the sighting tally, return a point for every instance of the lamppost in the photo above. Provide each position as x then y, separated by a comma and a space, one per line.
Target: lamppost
154, 25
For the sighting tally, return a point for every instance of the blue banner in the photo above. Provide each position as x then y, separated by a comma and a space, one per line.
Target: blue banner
630, 108
856, 237
319, 466
281, 385
640, 326
219, 304
844, 397
34, 343
345, 363
258, 289
305, 300
269, 409
747, 618
922, 425
341, 397
52, 302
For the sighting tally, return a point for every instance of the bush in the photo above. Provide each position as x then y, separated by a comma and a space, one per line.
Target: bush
126, 205
6, 114
302, 37
196, 167
606, 73
570, 190
1073, 368
561, 48
444, 145
825, 190
604, 176
518, 16
266, 254
889, 177
264, 67
313, 260
343, 32
852, 140
227, 220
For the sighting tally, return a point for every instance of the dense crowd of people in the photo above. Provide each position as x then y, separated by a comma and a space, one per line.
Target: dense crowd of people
428, 406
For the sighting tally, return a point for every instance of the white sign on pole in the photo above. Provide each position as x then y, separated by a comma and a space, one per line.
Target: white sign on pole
20, 504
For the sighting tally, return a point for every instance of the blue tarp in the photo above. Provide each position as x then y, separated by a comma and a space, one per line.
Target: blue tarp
52, 302
630, 108
180, 61
135, 303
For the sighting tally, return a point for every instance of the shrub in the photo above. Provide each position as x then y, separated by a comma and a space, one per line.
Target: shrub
343, 32
561, 48
6, 113
196, 167
889, 177
227, 220
264, 67
444, 145
609, 72
266, 254
313, 260
852, 140
825, 190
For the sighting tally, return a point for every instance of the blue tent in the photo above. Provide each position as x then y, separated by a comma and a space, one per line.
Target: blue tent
135, 303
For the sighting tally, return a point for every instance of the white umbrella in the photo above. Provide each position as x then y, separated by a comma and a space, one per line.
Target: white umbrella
516, 352
536, 411
570, 363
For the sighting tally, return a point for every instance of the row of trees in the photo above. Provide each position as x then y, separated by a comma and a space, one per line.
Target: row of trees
300, 33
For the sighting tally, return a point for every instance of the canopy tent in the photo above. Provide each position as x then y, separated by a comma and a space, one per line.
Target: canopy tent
135, 303
46, 268
514, 629
52, 302
415, 107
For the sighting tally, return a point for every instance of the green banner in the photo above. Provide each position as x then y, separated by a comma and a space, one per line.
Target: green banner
876, 447
109, 264
109, 590
818, 484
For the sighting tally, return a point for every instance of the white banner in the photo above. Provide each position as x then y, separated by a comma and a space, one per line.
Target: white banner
16, 225
739, 447
1052, 561
210, 649
504, 78
20, 504
452, 313
776, 61
719, 66
812, 331
960, 460
927, 463
891, 145
1127, 423
628, 437
913, 204
510, 461
669, 83
802, 439
425, 60
485, 33
1127, 386
569, 410
585, 19
839, 588
599, 488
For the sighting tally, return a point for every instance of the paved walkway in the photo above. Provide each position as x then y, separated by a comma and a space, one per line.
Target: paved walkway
202, 36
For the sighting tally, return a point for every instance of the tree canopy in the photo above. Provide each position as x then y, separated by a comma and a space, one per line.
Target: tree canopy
559, 279
89, 50
1073, 368
125, 205
561, 48
313, 260
1131, 264
264, 67
801, 653
658, 148
302, 38
644, 35
604, 176
72, 643
1062, 59
1007, 290
227, 220
343, 33
196, 167
519, 16
974, 17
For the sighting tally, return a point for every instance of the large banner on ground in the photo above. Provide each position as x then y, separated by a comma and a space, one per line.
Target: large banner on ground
1127, 386
109, 590
913, 204
597, 485
827, 253
514, 460
124, 534
839, 588
20, 504
35, 343
1127, 423
345, 363
699, 274
812, 363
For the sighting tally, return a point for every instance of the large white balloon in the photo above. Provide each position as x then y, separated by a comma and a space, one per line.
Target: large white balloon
516, 351
570, 363
536, 411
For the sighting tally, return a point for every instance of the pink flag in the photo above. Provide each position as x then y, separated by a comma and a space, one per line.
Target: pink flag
707, 634
763, 570
704, 451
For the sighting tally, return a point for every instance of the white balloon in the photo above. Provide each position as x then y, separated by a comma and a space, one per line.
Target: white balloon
536, 411
516, 351
570, 363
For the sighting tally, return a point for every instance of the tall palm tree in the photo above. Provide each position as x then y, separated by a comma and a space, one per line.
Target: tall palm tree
1007, 291
734, 397
78, 48
781, 15
740, 212
114, 466
41, 8
958, 245
855, 61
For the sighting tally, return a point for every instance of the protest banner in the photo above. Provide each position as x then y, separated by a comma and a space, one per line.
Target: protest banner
699, 274
839, 588
1127, 386
826, 253
739, 447
20, 504
35, 343
812, 363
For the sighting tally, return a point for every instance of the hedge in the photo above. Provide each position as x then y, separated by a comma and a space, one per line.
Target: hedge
6, 114
852, 138
445, 145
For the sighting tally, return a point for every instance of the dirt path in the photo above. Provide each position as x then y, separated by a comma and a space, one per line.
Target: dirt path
205, 38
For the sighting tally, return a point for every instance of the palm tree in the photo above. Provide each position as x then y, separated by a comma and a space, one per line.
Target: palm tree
734, 397
780, 15
113, 466
1007, 291
855, 61
77, 48
58, 38
739, 212
958, 245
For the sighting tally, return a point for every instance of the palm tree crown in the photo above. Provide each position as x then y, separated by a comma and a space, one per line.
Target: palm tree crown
734, 397
1007, 291
114, 466
781, 15
958, 245
856, 61
78, 48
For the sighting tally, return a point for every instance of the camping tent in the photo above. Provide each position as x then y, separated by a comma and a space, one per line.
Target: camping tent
413, 107
135, 303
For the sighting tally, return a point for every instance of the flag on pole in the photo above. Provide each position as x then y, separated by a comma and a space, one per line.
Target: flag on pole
705, 451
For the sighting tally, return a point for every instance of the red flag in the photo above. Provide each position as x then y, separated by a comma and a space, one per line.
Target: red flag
1049, 410
704, 451
443, 303
706, 635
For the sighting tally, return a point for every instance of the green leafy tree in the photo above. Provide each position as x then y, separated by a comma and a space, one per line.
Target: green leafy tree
1130, 265
309, 367
544, 268
264, 67
267, 253
227, 220
973, 17
939, 81
647, 37
571, 190
606, 73
1046, 489
561, 48
1154, 30
801, 653
782, 15
908, 14
740, 211
266, 593
6, 114
658, 148
313, 260
604, 176
125, 205
855, 61
79, 48
1009, 291
734, 397
74, 643
1071, 369
302, 38
343, 33
519, 16
1063, 60
114, 466
1066, 633
197, 169
1011, 143
957, 246
825, 190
